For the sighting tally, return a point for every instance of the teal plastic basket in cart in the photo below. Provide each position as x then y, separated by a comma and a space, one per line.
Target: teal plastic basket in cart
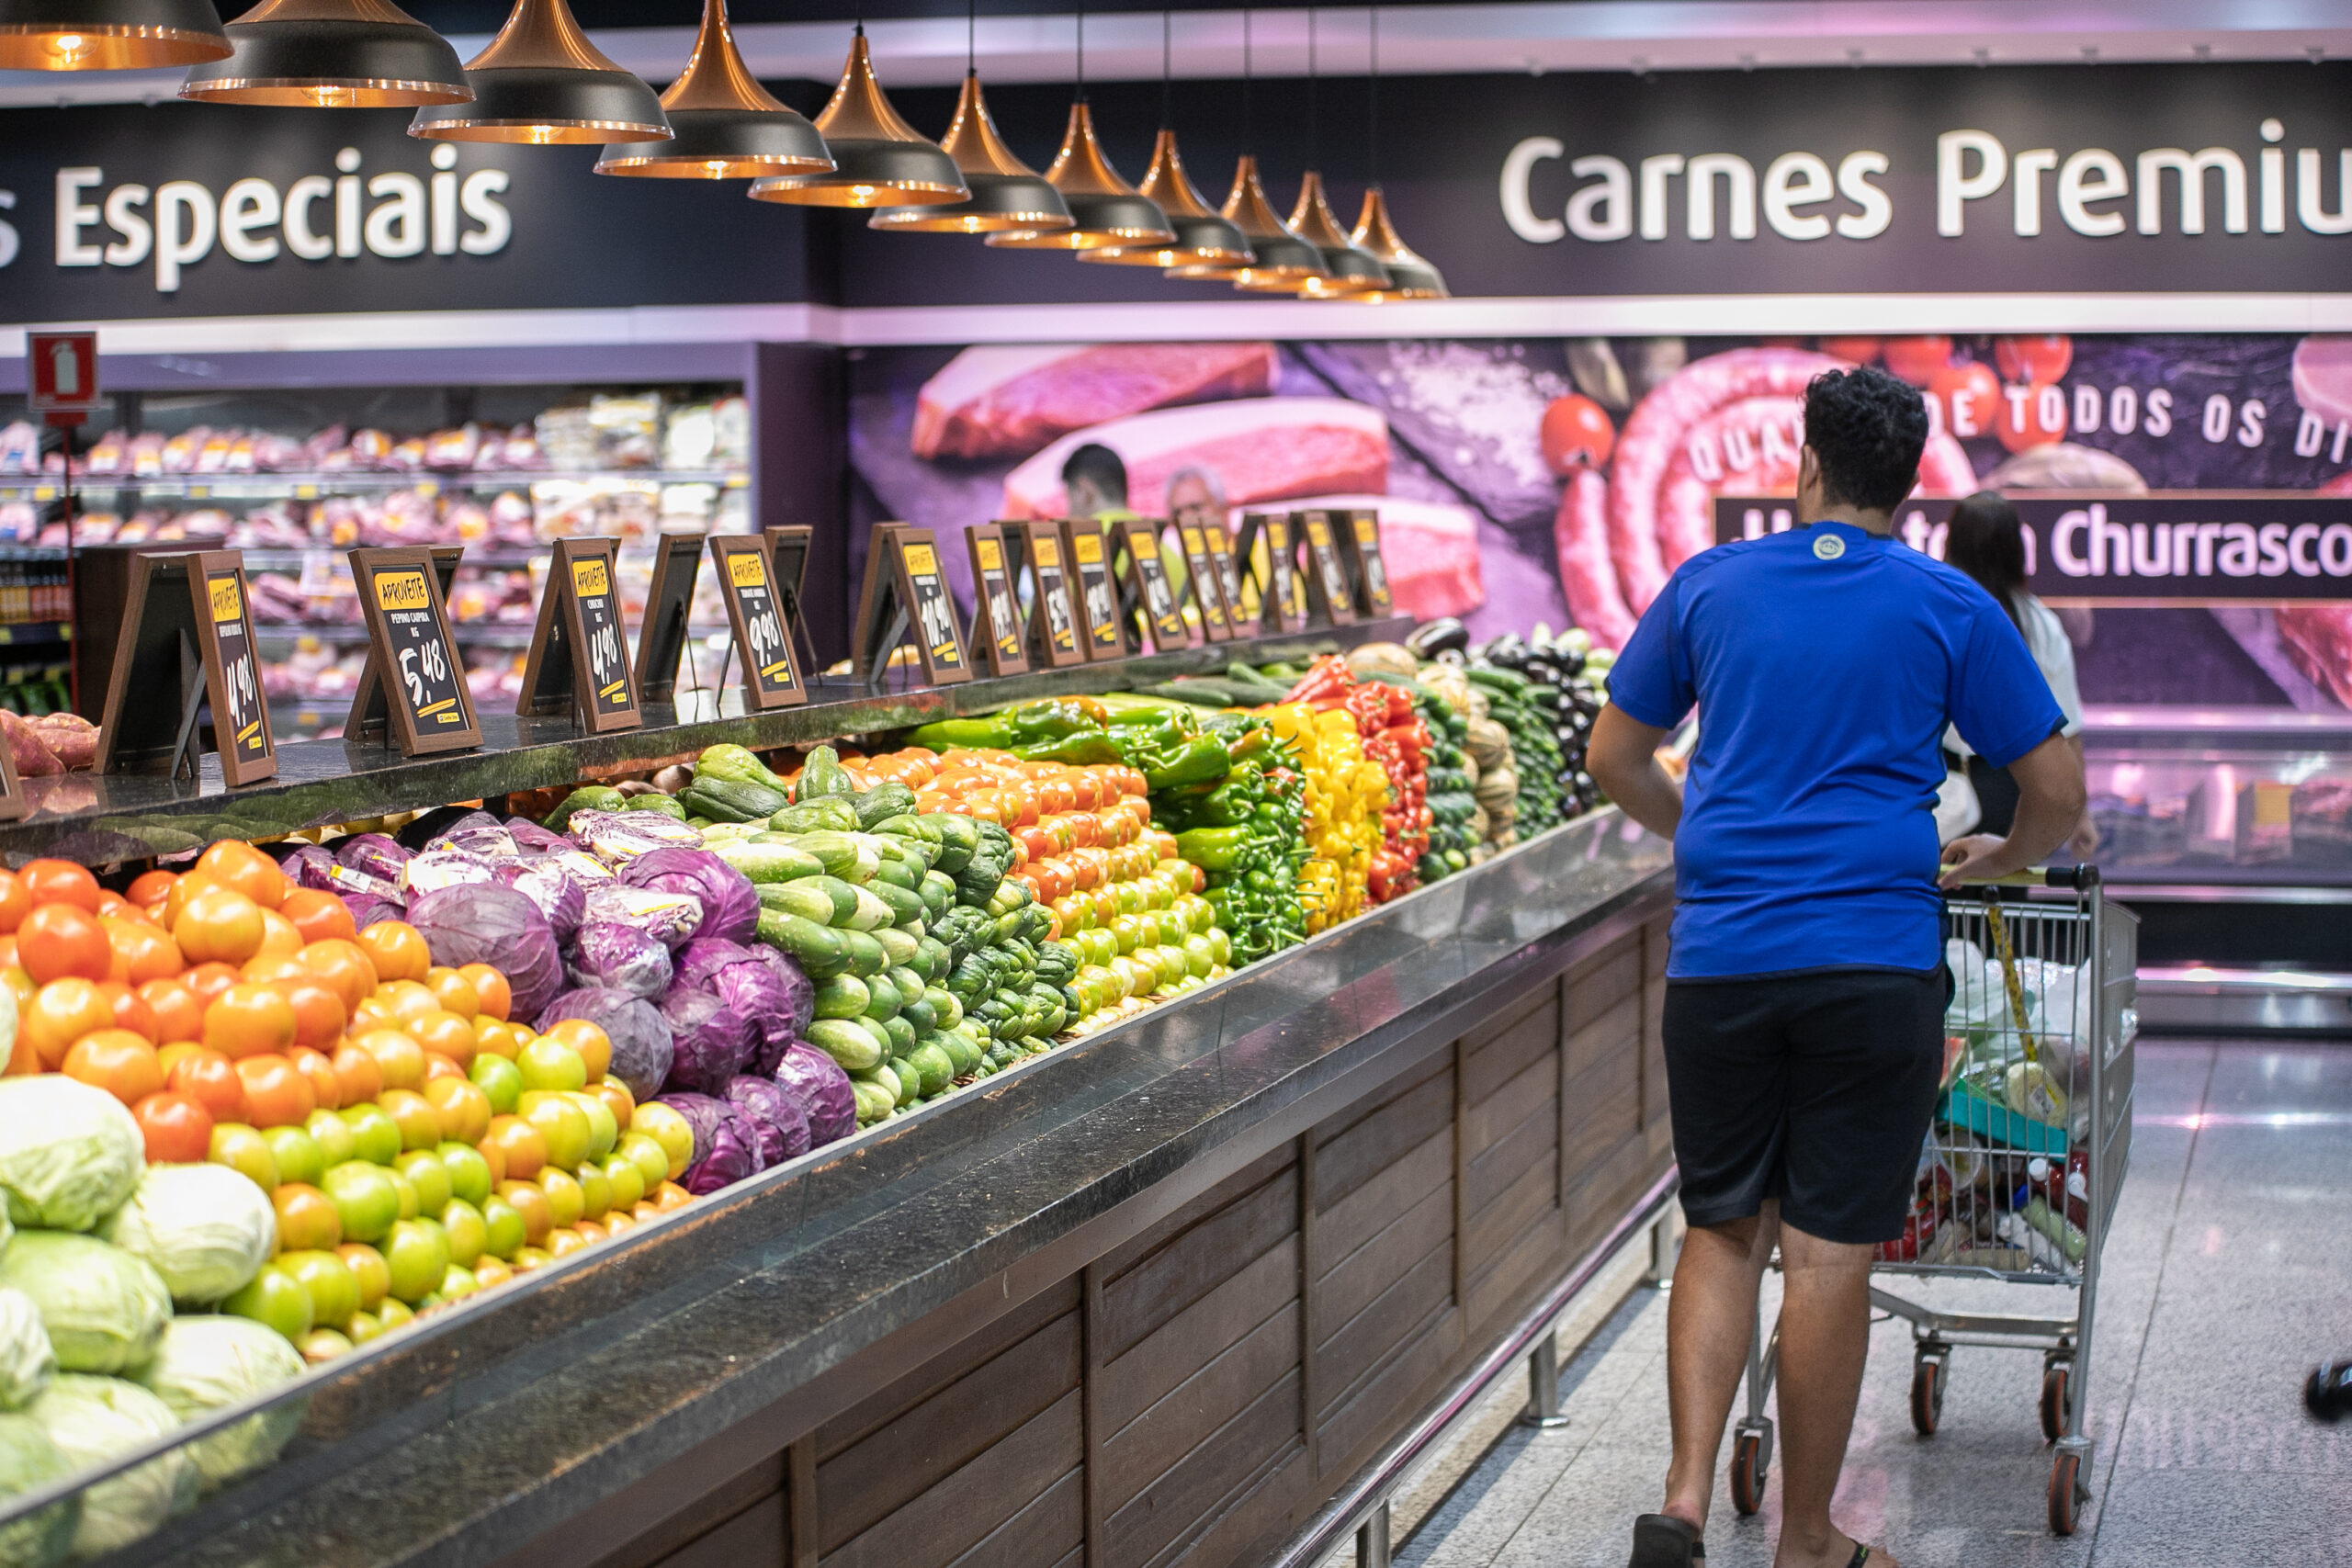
1963, 1107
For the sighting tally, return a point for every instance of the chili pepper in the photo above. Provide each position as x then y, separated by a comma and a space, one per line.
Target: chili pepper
992, 733
1052, 718
1193, 759
1082, 748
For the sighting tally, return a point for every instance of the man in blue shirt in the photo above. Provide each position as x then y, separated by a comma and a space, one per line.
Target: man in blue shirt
1805, 987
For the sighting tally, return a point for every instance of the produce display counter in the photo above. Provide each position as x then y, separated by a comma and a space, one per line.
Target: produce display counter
1151, 1296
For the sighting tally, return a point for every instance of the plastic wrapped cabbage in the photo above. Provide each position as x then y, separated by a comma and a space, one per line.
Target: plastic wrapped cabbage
69, 1154
206, 1229
311, 867
620, 958
95, 1419
670, 918
533, 840
208, 1363
30, 1460
614, 837
376, 854
776, 1116
26, 1360
476, 833
367, 908
545, 880
730, 905
103, 1307
641, 1036
497, 926
710, 1043
823, 1089
437, 869
727, 1144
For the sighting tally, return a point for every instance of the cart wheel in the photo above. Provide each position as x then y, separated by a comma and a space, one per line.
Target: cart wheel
1747, 1469
2065, 1492
1926, 1395
2057, 1399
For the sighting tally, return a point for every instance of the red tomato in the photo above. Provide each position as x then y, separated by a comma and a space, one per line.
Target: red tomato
1917, 359
210, 1079
131, 1011
318, 916
276, 1094
117, 1062
178, 1130
1861, 350
1969, 398
2032, 415
1575, 433
2042, 358
208, 980
15, 901
143, 952
151, 888
61, 940
178, 1014
62, 882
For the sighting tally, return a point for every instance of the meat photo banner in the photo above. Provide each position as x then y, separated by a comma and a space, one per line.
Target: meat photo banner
2188, 497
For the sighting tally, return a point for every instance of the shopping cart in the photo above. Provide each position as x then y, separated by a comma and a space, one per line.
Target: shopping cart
2022, 1166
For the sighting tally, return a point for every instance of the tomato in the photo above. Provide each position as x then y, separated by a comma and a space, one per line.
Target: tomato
366, 1265
358, 1072
179, 1130
519, 1144
1576, 432
2032, 415
308, 1220
15, 901
489, 1272
493, 1038
446, 1035
1917, 359
234, 863
208, 980
317, 1071
619, 1223
2043, 358
210, 1079
436, 1065
318, 915
1969, 398
150, 888
61, 882
141, 952
397, 949
399, 1057
270, 969
595, 1047
419, 1123
250, 1019
405, 1001
342, 966
61, 940
276, 1094
62, 1012
670, 1197
131, 1012
563, 1241
454, 991
531, 1203
278, 934
617, 1100
464, 1109
117, 1061
319, 1017
492, 994
218, 924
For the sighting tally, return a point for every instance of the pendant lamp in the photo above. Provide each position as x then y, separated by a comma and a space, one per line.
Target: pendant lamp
1105, 208
878, 159
1350, 269
1281, 262
1006, 193
1204, 237
723, 124
108, 35
1410, 277
542, 82
330, 54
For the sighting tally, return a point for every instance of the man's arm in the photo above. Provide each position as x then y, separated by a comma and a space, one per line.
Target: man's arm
1621, 757
2050, 806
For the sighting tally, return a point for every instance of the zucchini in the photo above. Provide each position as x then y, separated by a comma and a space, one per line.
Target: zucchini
905, 903
845, 1042
803, 898
840, 898
870, 912
843, 996
864, 954
837, 853
882, 1000
901, 947
818, 951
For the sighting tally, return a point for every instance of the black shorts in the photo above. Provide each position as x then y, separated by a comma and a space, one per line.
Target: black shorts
1813, 1089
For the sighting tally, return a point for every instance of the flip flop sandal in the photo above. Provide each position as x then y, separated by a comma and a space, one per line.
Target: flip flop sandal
1661, 1540
1861, 1556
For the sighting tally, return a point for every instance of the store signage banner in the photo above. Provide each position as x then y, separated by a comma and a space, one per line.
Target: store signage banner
2180, 548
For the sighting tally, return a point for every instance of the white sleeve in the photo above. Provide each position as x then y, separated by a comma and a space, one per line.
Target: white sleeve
2046, 640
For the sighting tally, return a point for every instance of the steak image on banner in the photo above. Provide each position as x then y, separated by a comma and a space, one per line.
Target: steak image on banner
1559, 481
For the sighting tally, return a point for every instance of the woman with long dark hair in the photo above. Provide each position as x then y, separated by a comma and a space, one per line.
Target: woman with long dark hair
1985, 540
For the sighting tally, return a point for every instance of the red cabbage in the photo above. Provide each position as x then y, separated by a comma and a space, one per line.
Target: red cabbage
706, 956
711, 1042
669, 917
823, 1089
799, 994
765, 989
310, 866
730, 905
776, 1115
615, 837
641, 1036
367, 908
477, 832
623, 958
376, 854
532, 838
484, 923
444, 867
727, 1143
543, 880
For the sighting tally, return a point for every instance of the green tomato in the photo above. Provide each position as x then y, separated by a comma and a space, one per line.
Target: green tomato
423, 1169
333, 1136
469, 1172
603, 1128
467, 1232
364, 1198
418, 1255
652, 1161
626, 1179
332, 1288
550, 1063
274, 1299
499, 1078
375, 1138
503, 1232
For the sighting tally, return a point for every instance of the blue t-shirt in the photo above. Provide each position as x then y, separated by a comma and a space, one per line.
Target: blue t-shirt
1825, 663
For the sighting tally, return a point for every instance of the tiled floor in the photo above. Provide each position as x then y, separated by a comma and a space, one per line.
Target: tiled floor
2228, 1274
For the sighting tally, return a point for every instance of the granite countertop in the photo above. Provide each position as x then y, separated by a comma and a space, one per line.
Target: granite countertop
459, 1443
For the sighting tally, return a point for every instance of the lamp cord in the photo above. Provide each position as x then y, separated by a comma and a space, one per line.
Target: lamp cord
1166, 70
1314, 126
1081, 51
1372, 135
1248, 84
971, 37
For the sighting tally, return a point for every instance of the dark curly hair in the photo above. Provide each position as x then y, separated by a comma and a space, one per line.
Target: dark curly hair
1867, 430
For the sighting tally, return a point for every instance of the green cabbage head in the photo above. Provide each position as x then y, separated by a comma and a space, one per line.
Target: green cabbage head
206, 1229
69, 1154
208, 1363
98, 1419
27, 1361
103, 1307
29, 1460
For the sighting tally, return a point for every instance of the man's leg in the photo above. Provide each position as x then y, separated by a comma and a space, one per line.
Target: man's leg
1710, 1320
1824, 1340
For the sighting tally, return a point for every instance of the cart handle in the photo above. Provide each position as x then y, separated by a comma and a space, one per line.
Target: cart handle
2082, 878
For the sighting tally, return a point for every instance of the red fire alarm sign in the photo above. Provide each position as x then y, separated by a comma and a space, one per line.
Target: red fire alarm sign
63, 369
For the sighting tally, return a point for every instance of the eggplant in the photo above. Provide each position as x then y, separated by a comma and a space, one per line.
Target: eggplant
1446, 634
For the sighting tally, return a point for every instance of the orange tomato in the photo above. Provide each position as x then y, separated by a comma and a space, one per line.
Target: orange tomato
494, 1156
520, 1143
61, 940
399, 1057
234, 863
117, 1062
497, 1039
397, 949
358, 1071
317, 1071
15, 901
646, 1210
178, 1014
490, 1271
130, 1010
464, 1109
340, 962
177, 1130
617, 1100
61, 882
436, 1065
150, 888
189, 885
141, 952
406, 1001
268, 968
208, 980
219, 924
278, 934
670, 1197
454, 990
564, 1241
419, 1122
617, 1223
250, 1019
319, 1016
210, 1079
276, 1094
308, 1220
491, 993
318, 915
591, 1231
62, 1012
595, 1047
538, 1215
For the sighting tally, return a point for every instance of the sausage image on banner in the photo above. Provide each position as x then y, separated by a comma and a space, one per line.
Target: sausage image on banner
1588, 578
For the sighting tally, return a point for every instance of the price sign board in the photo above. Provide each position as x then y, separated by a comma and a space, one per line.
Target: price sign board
369, 715
577, 660
1229, 577
1363, 538
747, 579
1282, 607
1053, 610
996, 606
423, 689
1326, 579
1098, 597
224, 637
1208, 593
1154, 596
661, 636
906, 591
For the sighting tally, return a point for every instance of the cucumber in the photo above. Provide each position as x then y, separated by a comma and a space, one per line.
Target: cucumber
870, 912
942, 1003
961, 1051
902, 947
873, 1032
938, 894
909, 1079
898, 873
805, 898
902, 1037
882, 1000
843, 996
874, 1101
908, 984
905, 903
836, 852
766, 863
937, 959
845, 1041
822, 952
920, 1014
864, 956
937, 1067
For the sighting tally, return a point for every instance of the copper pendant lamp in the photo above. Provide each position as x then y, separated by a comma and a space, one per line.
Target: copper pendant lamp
1410, 277
330, 54
878, 159
1204, 237
1007, 194
1281, 262
542, 82
723, 124
108, 35
1350, 269
1105, 208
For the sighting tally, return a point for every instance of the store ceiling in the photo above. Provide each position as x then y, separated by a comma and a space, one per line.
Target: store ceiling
923, 41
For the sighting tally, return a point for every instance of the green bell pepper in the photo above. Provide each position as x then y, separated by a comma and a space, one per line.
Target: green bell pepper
1218, 849
1054, 719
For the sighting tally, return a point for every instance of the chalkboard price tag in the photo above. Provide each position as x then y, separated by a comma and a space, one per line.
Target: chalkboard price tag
1153, 596
747, 576
906, 591
1098, 597
1229, 577
14, 807
187, 636
996, 606
408, 633
1200, 572
669, 606
578, 661
1372, 593
232, 669
1282, 607
1053, 613
1326, 578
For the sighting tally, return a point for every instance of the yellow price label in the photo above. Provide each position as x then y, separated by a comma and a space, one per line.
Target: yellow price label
1191, 537
1087, 548
1317, 534
922, 561
991, 555
590, 580
745, 569
402, 590
1278, 532
1049, 553
1367, 528
227, 603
